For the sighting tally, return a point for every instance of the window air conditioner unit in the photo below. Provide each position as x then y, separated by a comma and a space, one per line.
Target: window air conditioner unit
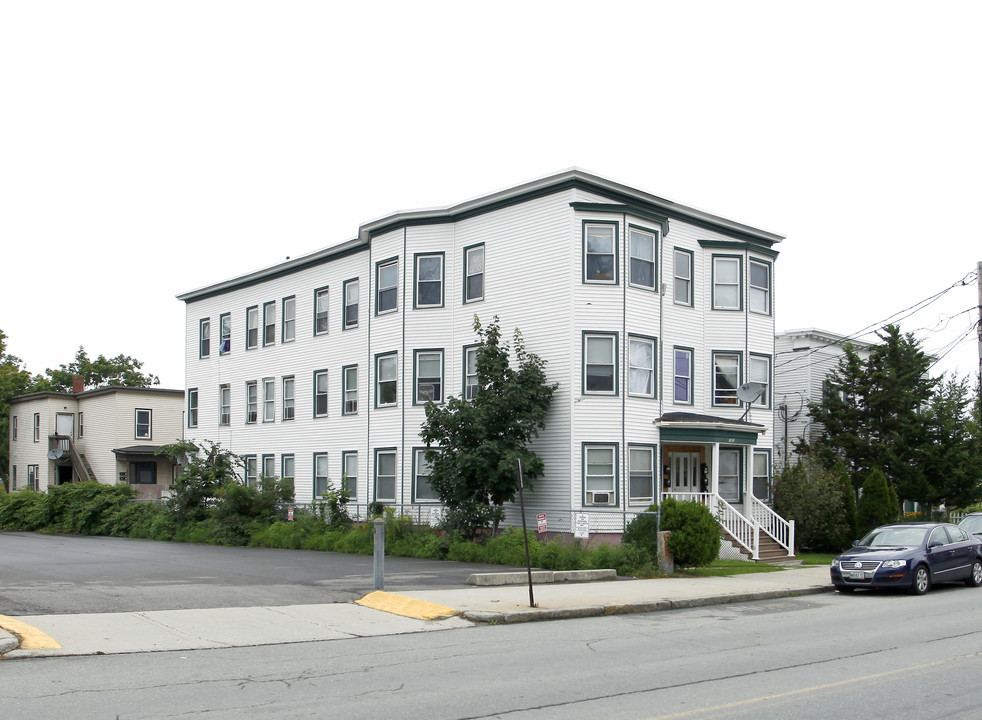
350, 406
600, 498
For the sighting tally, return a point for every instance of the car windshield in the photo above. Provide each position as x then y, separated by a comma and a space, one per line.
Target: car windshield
972, 524
892, 536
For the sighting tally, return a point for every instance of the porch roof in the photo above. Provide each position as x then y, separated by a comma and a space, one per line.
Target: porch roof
136, 450
694, 427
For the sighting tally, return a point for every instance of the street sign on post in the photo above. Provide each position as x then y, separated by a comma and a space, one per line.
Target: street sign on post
543, 525
525, 532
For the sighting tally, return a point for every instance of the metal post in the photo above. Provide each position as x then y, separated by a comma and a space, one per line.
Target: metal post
525, 532
379, 563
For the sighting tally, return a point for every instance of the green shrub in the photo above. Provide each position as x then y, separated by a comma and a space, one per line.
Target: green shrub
642, 531
878, 503
822, 504
24, 510
695, 538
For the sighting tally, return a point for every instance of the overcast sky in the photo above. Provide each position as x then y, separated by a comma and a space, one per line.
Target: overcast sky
147, 149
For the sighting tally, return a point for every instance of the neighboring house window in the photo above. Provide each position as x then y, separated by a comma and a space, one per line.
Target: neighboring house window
286, 467
351, 304
422, 492
145, 473
600, 474
81, 425
641, 360
760, 372
321, 303
385, 475
641, 481
288, 406
349, 470
474, 273
224, 405
37, 427
33, 477
682, 373
429, 280
252, 402
760, 287
642, 259
192, 408
321, 479
429, 376
252, 327
600, 254
269, 323
320, 393
683, 277
13, 426
349, 380
599, 364
269, 400
726, 283
204, 338
269, 466
729, 474
387, 286
251, 470
144, 425
762, 474
726, 378
225, 327
471, 383
289, 319
386, 385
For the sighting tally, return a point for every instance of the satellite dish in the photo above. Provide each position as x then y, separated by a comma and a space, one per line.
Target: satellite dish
750, 391
55, 454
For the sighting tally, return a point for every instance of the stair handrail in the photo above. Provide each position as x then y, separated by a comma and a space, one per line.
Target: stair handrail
77, 462
744, 530
781, 530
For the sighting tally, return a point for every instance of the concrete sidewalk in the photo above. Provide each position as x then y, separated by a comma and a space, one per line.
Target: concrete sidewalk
384, 613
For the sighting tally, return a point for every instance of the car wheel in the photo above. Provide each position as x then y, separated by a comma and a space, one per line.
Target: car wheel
922, 580
844, 588
975, 579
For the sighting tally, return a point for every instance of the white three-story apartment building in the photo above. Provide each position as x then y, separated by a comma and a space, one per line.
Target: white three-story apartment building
649, 314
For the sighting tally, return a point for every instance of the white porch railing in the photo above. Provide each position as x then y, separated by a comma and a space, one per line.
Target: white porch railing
773, 524
744, 530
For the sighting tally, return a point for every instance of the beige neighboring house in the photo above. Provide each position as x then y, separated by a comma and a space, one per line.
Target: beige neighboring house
108, 434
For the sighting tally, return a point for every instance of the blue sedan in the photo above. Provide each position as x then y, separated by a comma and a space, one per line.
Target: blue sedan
912, 556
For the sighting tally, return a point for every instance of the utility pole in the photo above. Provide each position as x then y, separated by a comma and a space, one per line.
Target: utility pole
978, 280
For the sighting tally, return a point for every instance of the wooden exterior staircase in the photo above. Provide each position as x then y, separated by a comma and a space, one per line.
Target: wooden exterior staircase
769, 550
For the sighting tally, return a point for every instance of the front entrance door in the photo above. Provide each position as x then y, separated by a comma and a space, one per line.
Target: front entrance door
64, 474
684, 472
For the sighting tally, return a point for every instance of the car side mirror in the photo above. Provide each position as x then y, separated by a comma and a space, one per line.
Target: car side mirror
934, 544
855, 543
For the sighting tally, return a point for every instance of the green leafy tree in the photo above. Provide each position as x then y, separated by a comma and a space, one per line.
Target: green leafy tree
14, 380
878, 502
822, 504
120, 370
204, 471
475, 443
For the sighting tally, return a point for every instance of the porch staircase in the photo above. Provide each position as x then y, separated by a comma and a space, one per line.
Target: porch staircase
769, 550
87, 466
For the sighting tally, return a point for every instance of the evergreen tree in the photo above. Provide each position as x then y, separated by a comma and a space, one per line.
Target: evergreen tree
952, 459
878, 503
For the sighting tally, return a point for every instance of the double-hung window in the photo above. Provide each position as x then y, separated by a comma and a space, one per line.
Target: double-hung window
600, 253
600, 474
682, 374
13, 427
192, 408
144, 424
33, 477
429, 280
225, 327
289, 319
320, 393
471, 384
762, 474
385, 475
269, 323
642, 258
386, 286
429, 376
204, 338
252, 327
422, 492
474, 273
386, 380
252, 402
269, 466
81, 426
269, 400
251, 470
726, 378
760, 372
730, 475
727, 291
351, 304
224, 405
37, 427
287, 467
682, 280
349, 472
289, 385
600, 363
349, 391
641, 361
760, 287
321, 302
321, 479
641, 480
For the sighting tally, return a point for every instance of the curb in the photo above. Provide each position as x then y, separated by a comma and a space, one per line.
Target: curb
8, 641
540, 577
534, 615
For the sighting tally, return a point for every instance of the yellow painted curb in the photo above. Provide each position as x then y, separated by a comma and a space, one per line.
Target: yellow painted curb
407, 607
30, 637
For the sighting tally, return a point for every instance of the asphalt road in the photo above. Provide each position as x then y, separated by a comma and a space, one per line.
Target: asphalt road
56, 574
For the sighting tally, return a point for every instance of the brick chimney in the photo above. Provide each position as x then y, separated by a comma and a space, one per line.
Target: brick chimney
77, 384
